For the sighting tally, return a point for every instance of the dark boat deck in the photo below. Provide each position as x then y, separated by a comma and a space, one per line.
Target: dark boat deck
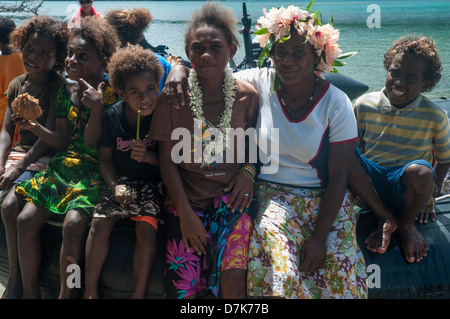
390, 276
430, 278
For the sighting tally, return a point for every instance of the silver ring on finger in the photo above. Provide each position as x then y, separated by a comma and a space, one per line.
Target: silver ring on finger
246, 195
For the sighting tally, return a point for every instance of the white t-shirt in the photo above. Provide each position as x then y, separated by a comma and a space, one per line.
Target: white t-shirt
296, 152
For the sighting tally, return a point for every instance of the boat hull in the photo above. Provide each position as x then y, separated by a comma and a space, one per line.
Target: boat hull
389, 275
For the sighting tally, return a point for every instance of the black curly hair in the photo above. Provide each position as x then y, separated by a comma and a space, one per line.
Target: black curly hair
129, 24
215, 15
7, 26
55, 30
99, 32
130, 60
422, 47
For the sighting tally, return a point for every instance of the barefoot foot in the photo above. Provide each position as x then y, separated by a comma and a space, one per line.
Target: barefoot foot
378, 241
414, 246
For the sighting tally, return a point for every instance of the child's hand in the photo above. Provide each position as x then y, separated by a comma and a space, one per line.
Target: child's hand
138, 151
194, 233
123, 195
92, 98
176, 85
241, 192
7, 178
23, 124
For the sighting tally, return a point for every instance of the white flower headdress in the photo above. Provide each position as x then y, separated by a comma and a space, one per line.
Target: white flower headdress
275, 26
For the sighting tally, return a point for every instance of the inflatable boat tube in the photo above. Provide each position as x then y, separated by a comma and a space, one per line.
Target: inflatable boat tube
390, 276
351, 87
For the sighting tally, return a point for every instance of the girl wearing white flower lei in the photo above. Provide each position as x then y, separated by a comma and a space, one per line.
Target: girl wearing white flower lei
211, 200
304, 242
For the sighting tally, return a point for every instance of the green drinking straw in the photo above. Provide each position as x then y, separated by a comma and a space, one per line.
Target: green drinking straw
138, 124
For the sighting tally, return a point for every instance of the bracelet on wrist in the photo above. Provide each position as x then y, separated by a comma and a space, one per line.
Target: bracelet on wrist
249, 171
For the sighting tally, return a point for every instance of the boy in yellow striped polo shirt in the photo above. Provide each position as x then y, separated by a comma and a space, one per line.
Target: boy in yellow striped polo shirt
404, 146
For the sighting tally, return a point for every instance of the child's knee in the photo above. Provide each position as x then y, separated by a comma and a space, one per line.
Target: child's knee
419, 177
417, 173
74, 225
26, 224
9, 210
101, 226
145, 231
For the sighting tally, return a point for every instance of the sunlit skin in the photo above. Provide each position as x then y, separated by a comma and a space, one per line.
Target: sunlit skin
294, 64
86, 66
294, 61
405, 79
209, 52
140, 94
83, 61
39, 55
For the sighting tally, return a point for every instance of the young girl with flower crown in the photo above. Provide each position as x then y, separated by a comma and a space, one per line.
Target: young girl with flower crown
71, 183
208, 223
304, 239
43, 44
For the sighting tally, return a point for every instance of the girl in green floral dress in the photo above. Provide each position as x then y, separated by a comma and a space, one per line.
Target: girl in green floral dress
71, 183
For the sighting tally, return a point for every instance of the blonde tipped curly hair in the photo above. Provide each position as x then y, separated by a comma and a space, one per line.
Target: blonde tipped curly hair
422, 47
132, 59
129, 24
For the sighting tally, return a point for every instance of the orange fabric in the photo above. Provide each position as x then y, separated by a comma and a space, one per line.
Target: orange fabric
16, 137
11, 66
151, 220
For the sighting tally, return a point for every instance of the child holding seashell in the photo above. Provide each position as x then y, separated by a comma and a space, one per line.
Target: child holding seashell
70, 185
42, 42
31, 103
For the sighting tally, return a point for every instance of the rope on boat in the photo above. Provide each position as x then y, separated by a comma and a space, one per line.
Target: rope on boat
437, 199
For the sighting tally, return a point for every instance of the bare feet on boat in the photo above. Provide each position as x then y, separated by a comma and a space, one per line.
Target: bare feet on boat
414, 246
378, 241
422, 217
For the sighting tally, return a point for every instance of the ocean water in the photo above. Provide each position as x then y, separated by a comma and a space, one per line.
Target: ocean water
388, 20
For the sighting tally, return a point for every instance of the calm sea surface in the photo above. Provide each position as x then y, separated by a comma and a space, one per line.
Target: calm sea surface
396, 18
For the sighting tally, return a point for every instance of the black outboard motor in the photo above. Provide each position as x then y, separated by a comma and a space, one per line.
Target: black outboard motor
249, 61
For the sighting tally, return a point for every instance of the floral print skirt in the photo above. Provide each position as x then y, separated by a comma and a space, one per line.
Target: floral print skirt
445, 189
188, 273
286, 218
